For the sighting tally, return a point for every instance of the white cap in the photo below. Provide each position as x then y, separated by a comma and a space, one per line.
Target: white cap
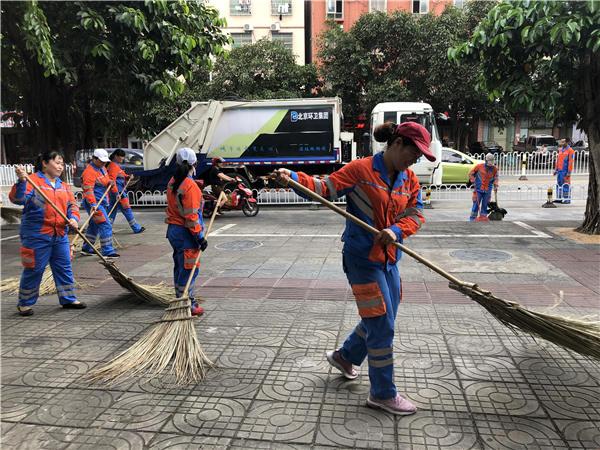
101, 154
186, 154
490, 157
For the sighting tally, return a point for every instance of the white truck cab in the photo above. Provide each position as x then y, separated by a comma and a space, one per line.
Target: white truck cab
427, 171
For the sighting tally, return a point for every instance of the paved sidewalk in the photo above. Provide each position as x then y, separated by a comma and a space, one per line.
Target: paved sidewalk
276, 300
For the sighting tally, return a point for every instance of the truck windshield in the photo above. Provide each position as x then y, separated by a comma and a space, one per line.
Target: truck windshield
425, 119
546, 141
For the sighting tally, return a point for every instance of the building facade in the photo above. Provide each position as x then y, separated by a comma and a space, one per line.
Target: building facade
278, 20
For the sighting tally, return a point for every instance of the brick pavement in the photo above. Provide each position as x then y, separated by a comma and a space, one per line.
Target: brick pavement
476, 383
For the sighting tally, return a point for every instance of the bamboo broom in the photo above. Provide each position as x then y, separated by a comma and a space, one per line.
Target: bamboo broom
147, 293
173, 340
47, 284
579, 335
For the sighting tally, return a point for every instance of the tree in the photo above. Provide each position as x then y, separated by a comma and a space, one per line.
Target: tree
263, 70
403, 57
544, 56
80, 69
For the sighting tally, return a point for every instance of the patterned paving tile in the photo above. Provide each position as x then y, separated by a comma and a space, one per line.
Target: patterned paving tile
476, 345
246, 444
487, 368
211, 416
468, 325
32, 328
231, 383
72, 329
353, 426
162, 441
28, 347
216, 335
23, 436
297, 359
262, 337
57, 374
19, 402
249, 357
423, 365
524, 346
341, 391
72, 407
507, 432
437, 430
311, 336
293, 386
555, 371
280, 422
420, 343
513, 399
570, 402
139, 411
116, 331
12, 369
580, 435
432, 393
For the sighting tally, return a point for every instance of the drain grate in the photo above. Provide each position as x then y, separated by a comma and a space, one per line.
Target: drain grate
238, 245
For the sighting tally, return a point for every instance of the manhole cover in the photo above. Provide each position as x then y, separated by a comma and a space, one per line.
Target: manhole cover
238, 245
481, 255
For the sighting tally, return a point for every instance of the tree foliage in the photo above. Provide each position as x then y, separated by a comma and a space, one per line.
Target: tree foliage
545, 57
79, 69
403, 57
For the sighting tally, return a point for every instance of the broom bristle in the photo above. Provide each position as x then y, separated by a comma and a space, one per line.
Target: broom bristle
160, 294
47, 285
172, 342
578, 335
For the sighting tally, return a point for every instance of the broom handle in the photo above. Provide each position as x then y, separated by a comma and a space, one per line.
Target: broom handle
297, 186
119, 197
92, 211
63, 215
210, 224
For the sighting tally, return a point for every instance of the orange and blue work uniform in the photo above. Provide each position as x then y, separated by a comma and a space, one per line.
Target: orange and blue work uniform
94, 181
371, 269
185, 229
483, 177
119, 177
564, 167
44, 237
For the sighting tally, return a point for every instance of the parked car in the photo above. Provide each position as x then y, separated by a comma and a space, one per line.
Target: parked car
485, 147
134, 161
580, 146
537, 143
456, 166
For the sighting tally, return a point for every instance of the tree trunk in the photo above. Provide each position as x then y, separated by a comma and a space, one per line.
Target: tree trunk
591, 221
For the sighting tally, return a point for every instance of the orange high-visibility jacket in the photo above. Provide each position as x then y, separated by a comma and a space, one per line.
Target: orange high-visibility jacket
184, 207
484, 177
565, 160
371, 198
94, 181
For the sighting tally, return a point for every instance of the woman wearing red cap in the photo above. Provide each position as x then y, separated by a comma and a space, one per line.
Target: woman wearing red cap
382, 191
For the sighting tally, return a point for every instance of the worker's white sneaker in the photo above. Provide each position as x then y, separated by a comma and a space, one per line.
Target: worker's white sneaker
398, 405
335, 359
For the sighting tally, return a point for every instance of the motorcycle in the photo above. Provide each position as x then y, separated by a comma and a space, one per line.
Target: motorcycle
241, 197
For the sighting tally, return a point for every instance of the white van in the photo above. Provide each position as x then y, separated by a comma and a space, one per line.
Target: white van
428, 172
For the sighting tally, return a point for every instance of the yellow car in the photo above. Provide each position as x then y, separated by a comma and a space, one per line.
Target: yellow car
456, 166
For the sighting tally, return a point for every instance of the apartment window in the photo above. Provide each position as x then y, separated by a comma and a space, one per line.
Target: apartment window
240, 7
281, 7
459, 3
335, 9
377, 5
240, 39
420, 6
285, 38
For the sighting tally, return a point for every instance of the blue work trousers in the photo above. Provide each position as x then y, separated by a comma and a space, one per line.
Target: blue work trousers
184, 250
480, 204
100, 227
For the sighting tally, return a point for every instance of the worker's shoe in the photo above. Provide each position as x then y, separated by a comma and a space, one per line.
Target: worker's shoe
25, 311
398, 405
86, 253
141, 230
335, 359
112, 256
197, 310
482, 219
74, 305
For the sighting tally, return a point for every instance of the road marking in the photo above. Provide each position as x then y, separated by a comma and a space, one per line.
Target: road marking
532, 229
223, 228
9, 237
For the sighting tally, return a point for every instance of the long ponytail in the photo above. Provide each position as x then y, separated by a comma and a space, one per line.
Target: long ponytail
181, 172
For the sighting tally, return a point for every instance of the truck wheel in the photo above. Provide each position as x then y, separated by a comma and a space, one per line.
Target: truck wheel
250, 209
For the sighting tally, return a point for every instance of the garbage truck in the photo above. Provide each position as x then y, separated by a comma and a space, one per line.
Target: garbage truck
255, 137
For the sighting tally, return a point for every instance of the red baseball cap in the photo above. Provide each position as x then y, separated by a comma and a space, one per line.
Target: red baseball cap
419, 135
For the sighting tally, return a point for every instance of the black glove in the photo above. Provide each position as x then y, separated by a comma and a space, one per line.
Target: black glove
202, 243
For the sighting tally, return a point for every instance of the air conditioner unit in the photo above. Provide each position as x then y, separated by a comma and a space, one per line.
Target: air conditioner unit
275, 26
248, 27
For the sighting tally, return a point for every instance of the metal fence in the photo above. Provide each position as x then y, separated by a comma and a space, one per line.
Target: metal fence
509, 164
